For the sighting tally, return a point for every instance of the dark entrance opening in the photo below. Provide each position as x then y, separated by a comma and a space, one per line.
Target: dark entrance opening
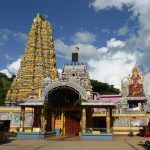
63, 96
135, 103
63, 113
100, 123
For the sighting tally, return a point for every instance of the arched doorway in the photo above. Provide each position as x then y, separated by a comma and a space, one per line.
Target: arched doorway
62, 96
63, 112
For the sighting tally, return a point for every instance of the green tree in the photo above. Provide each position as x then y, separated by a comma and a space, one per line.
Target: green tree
103, 88
5, 84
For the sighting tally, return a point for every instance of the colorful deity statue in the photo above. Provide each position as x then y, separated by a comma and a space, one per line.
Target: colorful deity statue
136, 83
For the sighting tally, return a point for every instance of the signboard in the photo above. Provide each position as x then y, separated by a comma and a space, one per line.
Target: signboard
31, 103
97, 103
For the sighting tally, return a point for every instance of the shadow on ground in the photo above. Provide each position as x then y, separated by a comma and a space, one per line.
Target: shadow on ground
145, 145
9, 140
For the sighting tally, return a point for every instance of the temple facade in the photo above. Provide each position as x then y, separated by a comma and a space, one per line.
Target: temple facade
41, 100
46, 100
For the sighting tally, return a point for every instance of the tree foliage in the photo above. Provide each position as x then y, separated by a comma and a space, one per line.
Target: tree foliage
46, 106
5, 84
103, 88
78, 102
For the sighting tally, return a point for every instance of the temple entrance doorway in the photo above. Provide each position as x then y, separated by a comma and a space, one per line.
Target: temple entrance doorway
72, 123
63, 112
99, 123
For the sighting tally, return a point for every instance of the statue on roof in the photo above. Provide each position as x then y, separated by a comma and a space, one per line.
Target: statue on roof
136, 83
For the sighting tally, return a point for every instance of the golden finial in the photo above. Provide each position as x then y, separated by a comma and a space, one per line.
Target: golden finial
38, 18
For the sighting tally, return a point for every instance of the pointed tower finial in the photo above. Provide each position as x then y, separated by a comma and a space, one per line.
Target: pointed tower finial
38, 18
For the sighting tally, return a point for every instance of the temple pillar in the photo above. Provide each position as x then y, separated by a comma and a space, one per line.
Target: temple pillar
53, 122
83, 123
43, 121
62, 123
89, 118
37, 117
108, 119
22, 118
129, 121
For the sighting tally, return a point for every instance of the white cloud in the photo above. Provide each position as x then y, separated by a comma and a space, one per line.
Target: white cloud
6, 72
8, 57
105, 31
114, 64
107, 4
113, 43
5, 34
102, 50
147, 85
106, 64
12, 68
21, 36
112, 69
135, 42
59, 71
123, 30
84, 37
86, 52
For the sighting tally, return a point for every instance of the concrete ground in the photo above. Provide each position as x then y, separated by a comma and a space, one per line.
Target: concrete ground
74, 143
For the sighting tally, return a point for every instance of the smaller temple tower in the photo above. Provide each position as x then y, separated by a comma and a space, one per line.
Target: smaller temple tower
78, 73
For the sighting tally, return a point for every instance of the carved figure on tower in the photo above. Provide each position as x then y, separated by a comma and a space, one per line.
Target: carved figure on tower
136, 83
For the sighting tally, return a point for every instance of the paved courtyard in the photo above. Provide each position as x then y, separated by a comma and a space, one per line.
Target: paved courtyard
74, 143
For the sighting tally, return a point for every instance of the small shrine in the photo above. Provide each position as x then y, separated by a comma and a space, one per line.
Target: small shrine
136, 84
133, 90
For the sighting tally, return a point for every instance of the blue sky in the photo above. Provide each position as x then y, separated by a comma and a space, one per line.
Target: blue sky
113, 35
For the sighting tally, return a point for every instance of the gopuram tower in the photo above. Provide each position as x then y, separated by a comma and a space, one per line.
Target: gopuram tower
37, 63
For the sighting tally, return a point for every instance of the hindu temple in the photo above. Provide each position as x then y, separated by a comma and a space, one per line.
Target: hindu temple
43, 102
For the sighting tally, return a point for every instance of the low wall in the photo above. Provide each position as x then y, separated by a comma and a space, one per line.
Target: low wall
124, 123
13, 113
35, 135
125, 130
90, 136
